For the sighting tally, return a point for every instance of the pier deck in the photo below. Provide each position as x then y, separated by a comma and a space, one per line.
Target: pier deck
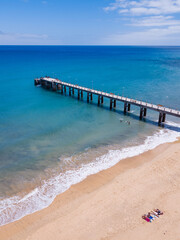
58, 84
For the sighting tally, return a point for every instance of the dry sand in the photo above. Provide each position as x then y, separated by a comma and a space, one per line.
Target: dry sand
109, 205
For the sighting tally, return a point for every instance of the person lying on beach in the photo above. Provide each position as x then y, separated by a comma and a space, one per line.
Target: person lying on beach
154, 214
150, 216
158, 211
146, 218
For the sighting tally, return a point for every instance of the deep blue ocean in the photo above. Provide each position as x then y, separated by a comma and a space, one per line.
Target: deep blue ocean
49, 141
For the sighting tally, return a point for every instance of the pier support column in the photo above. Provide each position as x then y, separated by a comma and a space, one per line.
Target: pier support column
62, 89
111, 101
73, 91
164, 117
54, 88
78, 94
114, 103
43, 83
65, 89
125, 107
36, 82
160, 118
59, 86
81, 93
98, 100
87, 97
145, 112
102, 100
141, 113
69, 91
91, 96
48, 85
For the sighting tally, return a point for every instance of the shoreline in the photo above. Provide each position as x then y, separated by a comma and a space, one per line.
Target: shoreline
42, 196
99, 207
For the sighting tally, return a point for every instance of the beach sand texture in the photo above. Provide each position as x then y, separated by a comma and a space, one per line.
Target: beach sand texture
109, 205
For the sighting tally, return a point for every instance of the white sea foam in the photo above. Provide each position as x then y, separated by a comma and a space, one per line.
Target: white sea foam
14, 208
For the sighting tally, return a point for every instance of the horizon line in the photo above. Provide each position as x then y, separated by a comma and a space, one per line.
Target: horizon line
89, 45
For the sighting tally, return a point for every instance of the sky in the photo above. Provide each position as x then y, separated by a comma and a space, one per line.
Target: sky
93, 22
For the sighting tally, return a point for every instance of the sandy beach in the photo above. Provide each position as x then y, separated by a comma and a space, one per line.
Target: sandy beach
109, 205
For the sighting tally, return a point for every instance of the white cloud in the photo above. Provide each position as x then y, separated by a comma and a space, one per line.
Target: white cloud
156, 18
145, 7
155, 21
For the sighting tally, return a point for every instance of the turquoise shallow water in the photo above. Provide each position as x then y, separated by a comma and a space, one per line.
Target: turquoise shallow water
44, 134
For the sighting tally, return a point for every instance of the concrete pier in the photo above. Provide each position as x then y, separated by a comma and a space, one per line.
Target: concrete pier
56, 84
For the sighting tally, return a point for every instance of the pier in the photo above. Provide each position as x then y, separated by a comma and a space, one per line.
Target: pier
63, 87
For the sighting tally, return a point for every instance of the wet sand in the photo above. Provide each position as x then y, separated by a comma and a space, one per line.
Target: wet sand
109, 205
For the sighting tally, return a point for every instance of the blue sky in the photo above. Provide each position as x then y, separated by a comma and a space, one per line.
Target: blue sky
95, 22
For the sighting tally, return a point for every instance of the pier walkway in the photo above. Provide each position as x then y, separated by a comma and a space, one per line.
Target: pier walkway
56, 84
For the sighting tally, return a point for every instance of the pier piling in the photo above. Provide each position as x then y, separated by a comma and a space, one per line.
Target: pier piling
111, 103
91, 96
54, 88
160, 118
62, 89
129, 107
125, 107
164, 117
78, 94
98, 100
102, 99
88, 97
59, 86
143, 112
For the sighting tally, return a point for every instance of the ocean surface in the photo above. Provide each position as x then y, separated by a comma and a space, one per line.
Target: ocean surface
50, 141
